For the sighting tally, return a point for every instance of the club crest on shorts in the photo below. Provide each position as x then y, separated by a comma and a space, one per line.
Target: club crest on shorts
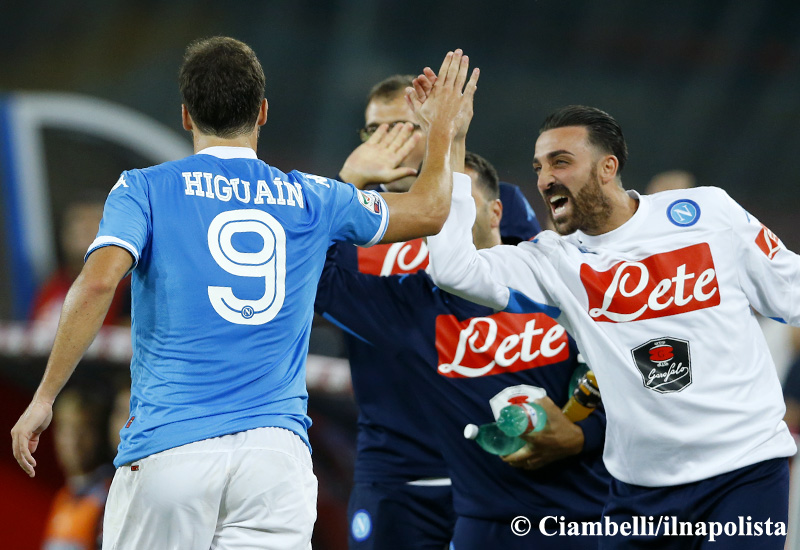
665, 364
683, 212
361, 525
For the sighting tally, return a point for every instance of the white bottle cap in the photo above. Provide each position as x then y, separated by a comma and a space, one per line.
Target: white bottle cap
471, 431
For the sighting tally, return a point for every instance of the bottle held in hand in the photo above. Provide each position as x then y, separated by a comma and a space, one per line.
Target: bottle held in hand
492, 439
520, 419
584, 400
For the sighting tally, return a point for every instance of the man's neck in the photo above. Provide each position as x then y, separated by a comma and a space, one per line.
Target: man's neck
204, 141
493, 240
623, 208
626, 209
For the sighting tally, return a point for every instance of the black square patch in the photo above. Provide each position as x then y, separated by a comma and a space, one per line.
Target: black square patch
665, 364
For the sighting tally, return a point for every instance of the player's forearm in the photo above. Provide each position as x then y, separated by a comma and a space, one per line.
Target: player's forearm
85, 307
458, 152
433, 187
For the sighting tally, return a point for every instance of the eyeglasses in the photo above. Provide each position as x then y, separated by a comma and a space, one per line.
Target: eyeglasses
366, 132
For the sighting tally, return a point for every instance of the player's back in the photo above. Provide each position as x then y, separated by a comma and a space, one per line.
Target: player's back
229, 252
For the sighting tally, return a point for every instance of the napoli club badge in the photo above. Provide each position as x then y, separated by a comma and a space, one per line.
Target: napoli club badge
665, 364
683, 213
361, 525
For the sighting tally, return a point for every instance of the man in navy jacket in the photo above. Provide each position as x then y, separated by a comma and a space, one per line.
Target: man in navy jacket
425, 364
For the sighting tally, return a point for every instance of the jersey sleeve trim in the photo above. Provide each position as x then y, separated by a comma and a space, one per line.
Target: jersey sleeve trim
384, 222
520, 303
100, 242
344, 327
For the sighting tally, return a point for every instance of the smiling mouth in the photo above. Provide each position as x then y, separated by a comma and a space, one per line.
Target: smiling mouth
558, 204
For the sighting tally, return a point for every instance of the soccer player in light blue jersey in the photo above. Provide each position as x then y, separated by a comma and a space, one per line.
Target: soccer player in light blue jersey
226, 252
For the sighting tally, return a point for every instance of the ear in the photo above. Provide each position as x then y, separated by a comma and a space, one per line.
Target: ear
188, 125
608, 168
262, 113
495, 213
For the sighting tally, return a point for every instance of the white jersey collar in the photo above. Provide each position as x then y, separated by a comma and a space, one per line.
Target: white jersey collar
627, 229
224, 152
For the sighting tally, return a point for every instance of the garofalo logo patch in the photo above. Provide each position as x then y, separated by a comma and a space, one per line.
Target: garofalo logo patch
665, 364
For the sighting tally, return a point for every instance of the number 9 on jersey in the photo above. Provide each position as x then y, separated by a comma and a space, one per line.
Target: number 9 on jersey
268, 263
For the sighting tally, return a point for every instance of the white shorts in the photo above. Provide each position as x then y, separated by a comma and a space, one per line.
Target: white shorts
252, 489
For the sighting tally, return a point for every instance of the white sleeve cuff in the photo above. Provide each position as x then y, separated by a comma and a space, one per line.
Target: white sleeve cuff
384, 222
100, 242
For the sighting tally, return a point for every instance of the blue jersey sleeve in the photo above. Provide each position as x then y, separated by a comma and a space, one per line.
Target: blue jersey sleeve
126, 217
356, 216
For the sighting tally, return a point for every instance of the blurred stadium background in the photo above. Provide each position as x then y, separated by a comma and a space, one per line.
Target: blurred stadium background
710, 87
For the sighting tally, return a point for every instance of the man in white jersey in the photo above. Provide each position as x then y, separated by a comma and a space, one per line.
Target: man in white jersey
226, 252
657, 290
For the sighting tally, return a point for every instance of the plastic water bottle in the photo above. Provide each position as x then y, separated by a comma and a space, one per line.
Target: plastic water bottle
520, 419
584, 400
492, 439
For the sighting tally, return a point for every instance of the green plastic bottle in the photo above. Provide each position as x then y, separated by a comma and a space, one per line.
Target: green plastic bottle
492, 439
520, 419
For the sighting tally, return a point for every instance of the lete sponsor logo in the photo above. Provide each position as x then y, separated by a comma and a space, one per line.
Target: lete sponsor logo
503, 342
664, 284
768, 242
393, 259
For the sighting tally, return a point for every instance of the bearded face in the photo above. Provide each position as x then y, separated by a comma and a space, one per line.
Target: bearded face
587, 209
568, 179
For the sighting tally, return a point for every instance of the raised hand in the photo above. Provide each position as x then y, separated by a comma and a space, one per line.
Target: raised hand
378, 159
422, 84
439, 98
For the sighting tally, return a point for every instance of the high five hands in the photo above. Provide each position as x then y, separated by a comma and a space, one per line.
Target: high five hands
378, 159
444, 96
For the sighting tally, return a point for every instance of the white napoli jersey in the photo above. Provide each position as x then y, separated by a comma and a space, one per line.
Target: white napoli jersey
661, 309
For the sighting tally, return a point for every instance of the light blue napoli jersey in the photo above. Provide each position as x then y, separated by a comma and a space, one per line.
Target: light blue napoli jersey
228, 252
